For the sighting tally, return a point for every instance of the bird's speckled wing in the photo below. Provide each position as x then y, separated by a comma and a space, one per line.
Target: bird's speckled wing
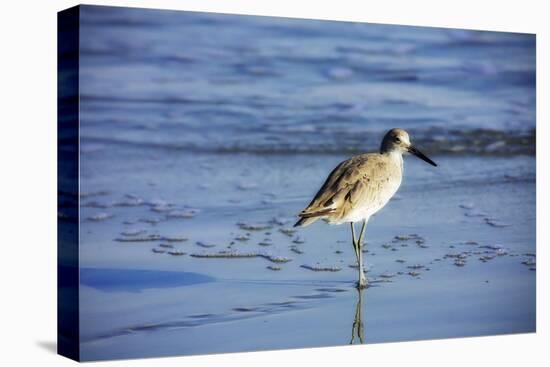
358, 181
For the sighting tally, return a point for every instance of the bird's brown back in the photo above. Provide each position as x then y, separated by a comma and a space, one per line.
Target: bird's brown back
356, 181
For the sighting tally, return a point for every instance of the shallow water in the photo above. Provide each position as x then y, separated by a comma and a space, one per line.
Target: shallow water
245, 299
199, 146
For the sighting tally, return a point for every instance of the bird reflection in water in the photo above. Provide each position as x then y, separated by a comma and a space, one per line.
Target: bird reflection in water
358, 331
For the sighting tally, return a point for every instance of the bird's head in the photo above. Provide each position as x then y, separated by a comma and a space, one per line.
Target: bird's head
397, 140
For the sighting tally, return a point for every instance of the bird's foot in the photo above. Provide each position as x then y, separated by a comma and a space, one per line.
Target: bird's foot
362, 282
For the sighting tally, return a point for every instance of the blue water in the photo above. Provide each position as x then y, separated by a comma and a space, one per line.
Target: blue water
131, 280
239, 119
226, 83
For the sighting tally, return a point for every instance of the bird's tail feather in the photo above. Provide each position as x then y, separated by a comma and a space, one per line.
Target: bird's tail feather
305, 221
308, 218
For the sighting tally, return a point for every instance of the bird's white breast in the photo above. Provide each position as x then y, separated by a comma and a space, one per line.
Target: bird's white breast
381, 196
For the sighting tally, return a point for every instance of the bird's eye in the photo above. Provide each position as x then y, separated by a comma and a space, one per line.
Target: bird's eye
397, 140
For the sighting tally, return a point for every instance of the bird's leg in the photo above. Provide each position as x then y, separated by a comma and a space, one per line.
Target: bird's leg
354, 242
362, 278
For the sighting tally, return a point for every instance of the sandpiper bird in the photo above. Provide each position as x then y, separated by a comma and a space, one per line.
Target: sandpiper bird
361, 186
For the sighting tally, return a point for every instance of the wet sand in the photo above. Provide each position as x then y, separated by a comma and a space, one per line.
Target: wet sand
453, 255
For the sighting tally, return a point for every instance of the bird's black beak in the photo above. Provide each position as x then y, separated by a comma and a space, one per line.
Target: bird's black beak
421, 155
